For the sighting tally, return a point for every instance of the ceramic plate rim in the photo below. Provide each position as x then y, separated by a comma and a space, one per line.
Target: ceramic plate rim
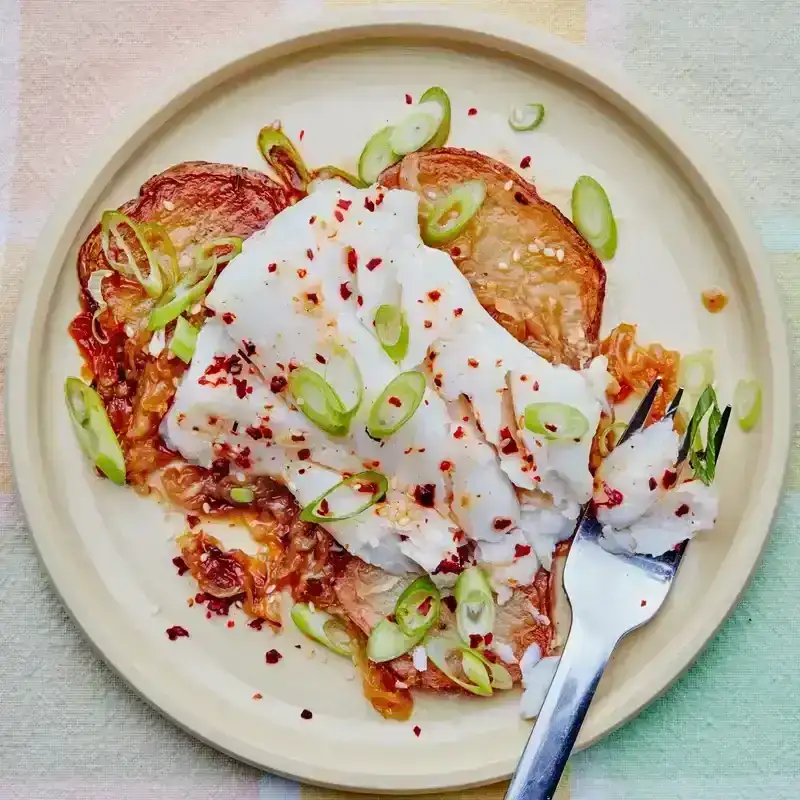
126, 136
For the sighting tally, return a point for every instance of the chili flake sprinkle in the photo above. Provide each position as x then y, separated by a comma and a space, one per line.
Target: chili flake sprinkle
427, 323
374, 263
521, 550
272, 656
395, 401
176, 632
345, 291
344, 204
272, 268
310, 254
472, 112
434, 295
306, 714
301, 273
409, 100
525, 163
473, 362
228, 318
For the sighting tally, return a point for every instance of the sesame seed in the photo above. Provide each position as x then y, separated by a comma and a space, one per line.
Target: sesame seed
169, 205
508, 185
539, 243
502, 266
549, 252
560, 255
533, 248
516, 255
403, 521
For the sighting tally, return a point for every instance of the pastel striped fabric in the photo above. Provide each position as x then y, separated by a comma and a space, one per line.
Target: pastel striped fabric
69, 729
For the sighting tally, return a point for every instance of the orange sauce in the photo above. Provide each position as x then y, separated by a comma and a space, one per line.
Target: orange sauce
714, 300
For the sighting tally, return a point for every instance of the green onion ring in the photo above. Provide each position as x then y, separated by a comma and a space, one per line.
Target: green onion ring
526, 117
475, 612
318, 400
370, 483
421, 593
184, 339
747, 404
376, 156
110, 224
284, 158
593, 217
387, 641
396, 404
391, 329
450, 215
438, 95
323, 628
329, 172
556, 421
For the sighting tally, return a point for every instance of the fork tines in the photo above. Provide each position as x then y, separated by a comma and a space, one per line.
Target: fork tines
642, 413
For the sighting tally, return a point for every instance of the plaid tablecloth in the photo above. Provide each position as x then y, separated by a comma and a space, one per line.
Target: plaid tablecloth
730, 729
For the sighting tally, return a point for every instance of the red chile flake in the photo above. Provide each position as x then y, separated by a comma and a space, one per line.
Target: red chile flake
256, 624
272, 268
312, 297
457, 312
369, 205
428, 323
473, 362
228, 318
446, 466
472, 112
273, 656
180, 564
536, 386
258, 696
424, 494
434, 295
682, 510
458, 433
455, 251
352, 260
395, 401
339, 216
176, 632
374, 263
487, 640
521, 199
450, 602
521, 550
525, 163
424, 607
192, 520
312, 220
669, 478
310, 254
302, 135
360, 300
301, 273
409, 100
417, 731
304, 454
320, 358
324, 507
502, 523
652, 483
306, 714
345, 291
615, 497
278, 384
475, 640
230, 623
344, 204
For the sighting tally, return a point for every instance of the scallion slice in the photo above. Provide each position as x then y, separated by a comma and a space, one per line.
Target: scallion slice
323, 628
231, 244
416, 130
181, 298
318, 400
377, 156
448, 654
555, 421
242, 494
396, 405
344, 377
348, 498
391, 329
439, 96
696, 371
703, 453
163, 250
593, 217
449, 216
747, 404
387, 641
475, 611
113, 225
329, 172
95, 288
526, 117
418, 607
284, 158
184, 339
93, 429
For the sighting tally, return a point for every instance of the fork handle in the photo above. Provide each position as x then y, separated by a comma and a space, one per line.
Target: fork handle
556, 729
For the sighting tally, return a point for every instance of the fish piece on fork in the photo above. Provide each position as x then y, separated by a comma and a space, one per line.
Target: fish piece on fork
611, 594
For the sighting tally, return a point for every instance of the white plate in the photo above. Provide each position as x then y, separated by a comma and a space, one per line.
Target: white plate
109, 551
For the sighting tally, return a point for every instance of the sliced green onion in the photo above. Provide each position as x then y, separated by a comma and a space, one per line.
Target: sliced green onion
318, 400
347, 499
526, 117
392, 331
501, 677
555, 421
442, 651
283, 157
475, 610
184, 339
396, 405
93, 429
439, 96
111, 224
344, 377
616, 429
747, 404
418, 607
449, 216
416, 130
323, 628
163, 250
181, 297
330, 172
696, 371
207, 250
377, 156
387, 641
95, 288
592, 215
242, 494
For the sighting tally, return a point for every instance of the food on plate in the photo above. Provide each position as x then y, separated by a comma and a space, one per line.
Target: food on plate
395, 382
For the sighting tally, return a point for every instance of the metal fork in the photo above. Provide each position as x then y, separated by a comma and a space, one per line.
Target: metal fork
611, 594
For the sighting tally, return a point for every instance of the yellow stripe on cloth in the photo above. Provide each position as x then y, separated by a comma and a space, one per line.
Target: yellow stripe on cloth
565, 18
